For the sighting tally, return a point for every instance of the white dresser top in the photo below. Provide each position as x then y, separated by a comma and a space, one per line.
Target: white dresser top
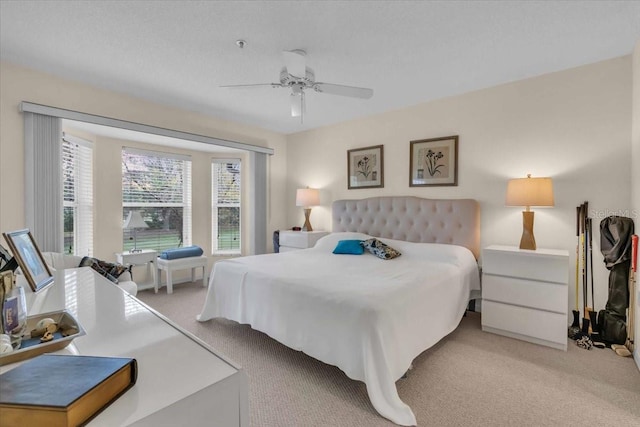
172, 364
539, 251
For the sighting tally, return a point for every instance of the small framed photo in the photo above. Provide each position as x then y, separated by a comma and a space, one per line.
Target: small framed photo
434, 162
26, 252
365, 167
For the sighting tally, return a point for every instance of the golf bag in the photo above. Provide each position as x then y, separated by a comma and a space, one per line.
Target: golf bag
615, 244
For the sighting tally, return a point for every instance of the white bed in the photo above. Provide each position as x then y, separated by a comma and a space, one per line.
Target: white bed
369, 317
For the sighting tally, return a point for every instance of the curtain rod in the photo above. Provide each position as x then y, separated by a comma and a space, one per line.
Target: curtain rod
30, 107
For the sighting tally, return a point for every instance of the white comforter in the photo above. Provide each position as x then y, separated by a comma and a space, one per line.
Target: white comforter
369, 317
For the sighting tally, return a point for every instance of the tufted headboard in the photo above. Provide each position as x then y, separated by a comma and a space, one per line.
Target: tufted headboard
412, 219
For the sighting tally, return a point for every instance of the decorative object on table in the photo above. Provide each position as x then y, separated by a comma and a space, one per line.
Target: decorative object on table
134, 222
14, 310
365, 167
7, 262
63, 329
529, 192
433, 162
63, 390
306, 198
5, 344
29, 258
616, 245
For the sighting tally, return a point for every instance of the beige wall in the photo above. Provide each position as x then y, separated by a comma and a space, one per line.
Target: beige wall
20, 84
635, 180
573, 126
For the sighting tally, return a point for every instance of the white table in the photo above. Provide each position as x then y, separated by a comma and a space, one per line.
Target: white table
525, 294
181, 380
141, 257
171, 265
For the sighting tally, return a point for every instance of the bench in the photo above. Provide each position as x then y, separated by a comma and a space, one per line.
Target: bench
171, 265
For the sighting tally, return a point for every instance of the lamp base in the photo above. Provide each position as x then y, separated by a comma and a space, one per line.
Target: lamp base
307, 224
527, 241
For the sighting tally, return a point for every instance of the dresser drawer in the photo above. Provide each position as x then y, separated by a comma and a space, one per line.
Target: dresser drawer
529, 322
545, 265
524, 292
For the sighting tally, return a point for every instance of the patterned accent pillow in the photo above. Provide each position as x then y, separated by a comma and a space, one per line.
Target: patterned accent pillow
107, 269
379, 249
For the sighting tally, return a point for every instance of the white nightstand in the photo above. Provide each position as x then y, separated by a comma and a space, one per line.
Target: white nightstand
296, 240
144, 257
525, 294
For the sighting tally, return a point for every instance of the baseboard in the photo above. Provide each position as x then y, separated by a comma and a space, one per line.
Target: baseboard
539, 341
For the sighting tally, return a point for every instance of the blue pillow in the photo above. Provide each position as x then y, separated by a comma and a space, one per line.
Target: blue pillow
349, 247
185, 252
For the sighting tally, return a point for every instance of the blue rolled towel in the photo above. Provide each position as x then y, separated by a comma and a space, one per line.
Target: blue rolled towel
186, 252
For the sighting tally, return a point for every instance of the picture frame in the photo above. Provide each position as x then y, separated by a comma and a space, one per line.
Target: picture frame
433, 162
30, 260
365, 167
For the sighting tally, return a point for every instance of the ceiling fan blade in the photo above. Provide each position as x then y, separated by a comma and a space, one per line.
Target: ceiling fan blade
352, 91
252, 85
295, 62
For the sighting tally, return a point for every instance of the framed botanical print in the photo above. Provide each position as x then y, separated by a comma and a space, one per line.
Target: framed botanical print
434, 162
365, 167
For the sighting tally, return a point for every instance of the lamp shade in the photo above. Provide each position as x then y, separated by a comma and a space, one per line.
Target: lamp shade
530, 192
134, 220
306, 197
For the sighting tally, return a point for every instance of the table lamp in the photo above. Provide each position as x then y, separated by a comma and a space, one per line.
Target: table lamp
529, 192
307, 197
133, 222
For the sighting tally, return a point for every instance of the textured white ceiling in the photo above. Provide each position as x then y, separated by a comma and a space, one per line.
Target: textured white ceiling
178, 53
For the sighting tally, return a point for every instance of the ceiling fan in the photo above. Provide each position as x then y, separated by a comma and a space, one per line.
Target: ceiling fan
296, 76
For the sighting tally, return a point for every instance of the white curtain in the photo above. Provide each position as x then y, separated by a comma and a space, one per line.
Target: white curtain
258, 197
43, 182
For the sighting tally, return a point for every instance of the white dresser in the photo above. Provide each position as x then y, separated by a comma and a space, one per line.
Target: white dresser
525, 294
296, 240
181, 380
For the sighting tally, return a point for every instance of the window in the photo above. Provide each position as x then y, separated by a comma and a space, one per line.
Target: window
225, 209
159, 186
77, 192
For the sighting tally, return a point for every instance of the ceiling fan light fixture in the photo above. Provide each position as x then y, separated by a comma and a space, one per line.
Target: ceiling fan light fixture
297, 100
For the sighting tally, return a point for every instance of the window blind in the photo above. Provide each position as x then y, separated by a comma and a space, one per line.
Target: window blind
77, 192
42, 183
226, 206
159, 186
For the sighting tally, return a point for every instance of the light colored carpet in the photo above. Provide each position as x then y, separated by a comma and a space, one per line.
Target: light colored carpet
470, 378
